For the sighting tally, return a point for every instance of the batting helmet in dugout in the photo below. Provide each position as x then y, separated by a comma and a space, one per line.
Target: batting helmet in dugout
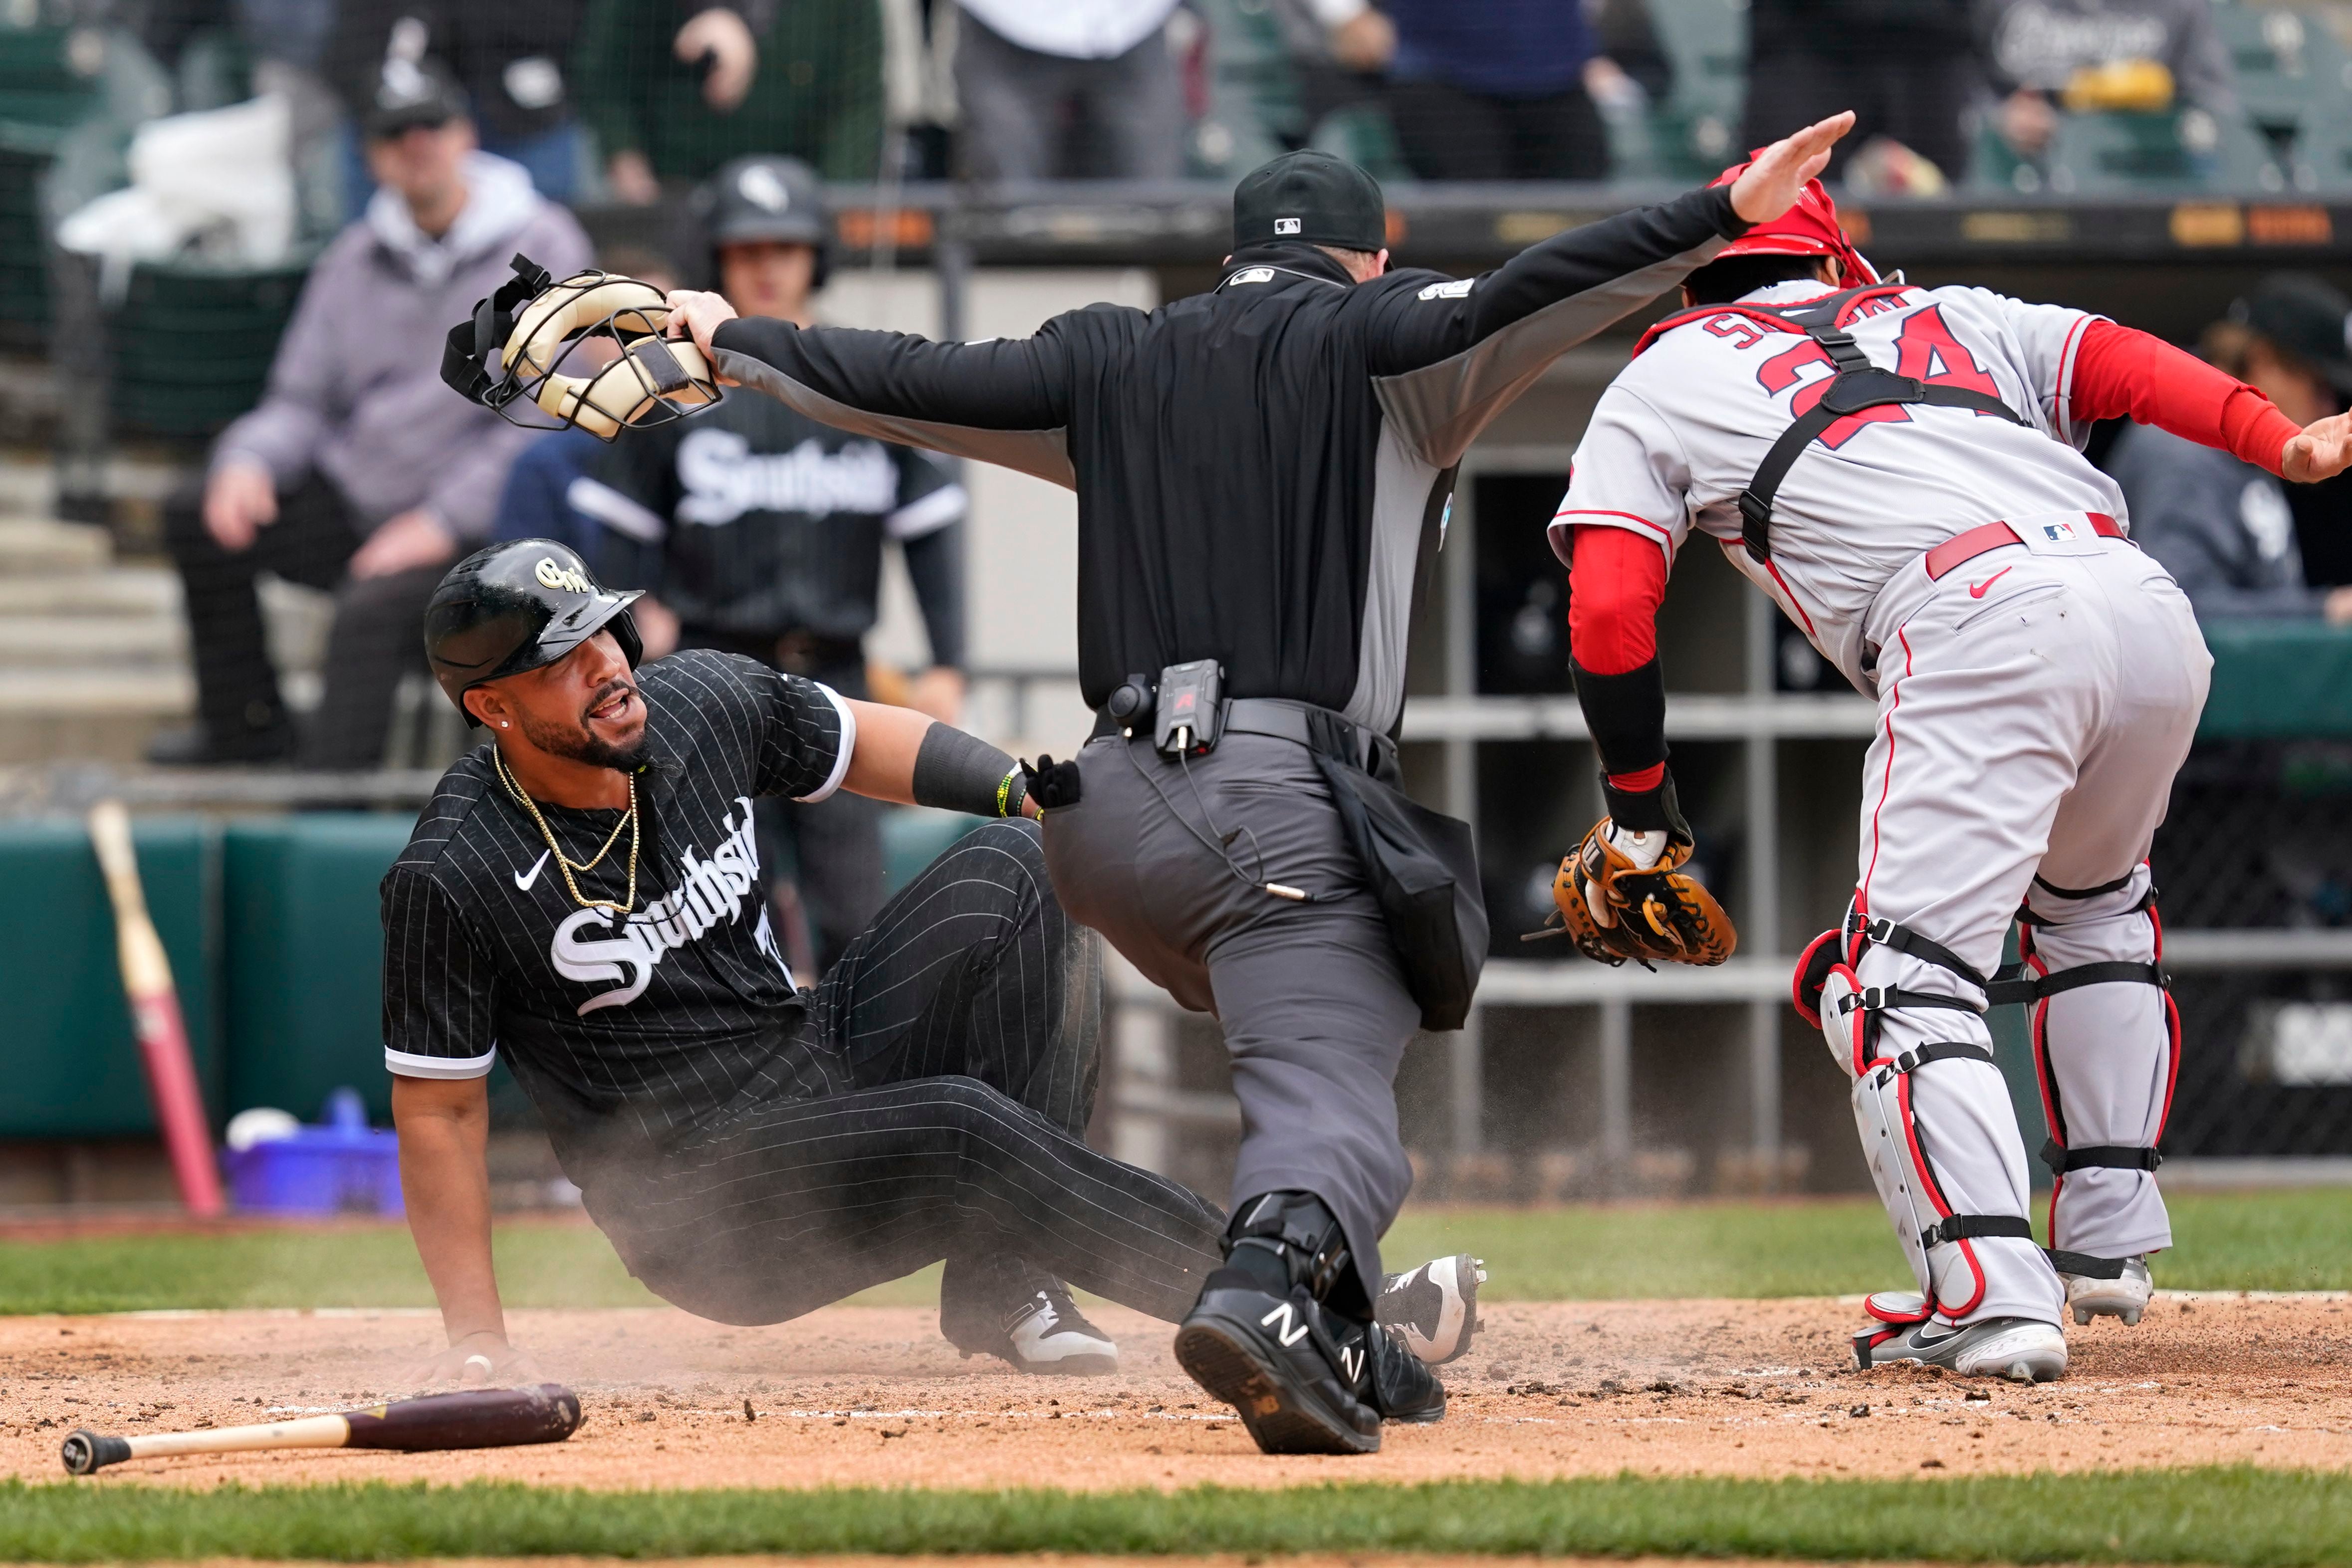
518, 606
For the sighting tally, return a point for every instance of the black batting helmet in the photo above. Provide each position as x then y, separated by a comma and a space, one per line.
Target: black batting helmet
766, 196
518, 606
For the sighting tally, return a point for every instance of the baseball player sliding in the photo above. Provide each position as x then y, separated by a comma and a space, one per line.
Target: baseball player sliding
1898, 468
579, 897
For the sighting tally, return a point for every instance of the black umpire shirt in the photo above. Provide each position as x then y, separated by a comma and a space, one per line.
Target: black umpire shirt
1263, 470
625, 1033
759, 522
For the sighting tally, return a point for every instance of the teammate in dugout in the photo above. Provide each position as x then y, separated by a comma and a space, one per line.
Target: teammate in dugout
1898, 467
1263, 473
578, 898
758, 530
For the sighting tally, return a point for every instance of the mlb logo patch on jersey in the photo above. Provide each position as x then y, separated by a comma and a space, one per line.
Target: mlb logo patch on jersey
2060, 533
1457, 289
1253, 275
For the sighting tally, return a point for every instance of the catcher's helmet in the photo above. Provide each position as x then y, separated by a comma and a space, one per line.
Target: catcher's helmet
1809, 228
765, 197
518, 606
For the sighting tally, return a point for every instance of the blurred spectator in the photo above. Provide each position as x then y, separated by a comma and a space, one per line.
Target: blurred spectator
2222, 528
358, 472
551, 492
772, 532
2143, 54
1058, 90
508, 56
1904, 66
1480, 89
673, 88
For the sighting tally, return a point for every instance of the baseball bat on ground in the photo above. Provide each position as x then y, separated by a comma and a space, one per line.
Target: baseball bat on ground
155, 1014
475, 1418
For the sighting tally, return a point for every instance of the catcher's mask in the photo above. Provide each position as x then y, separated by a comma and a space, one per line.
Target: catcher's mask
586, 351
1809, 228
515, 607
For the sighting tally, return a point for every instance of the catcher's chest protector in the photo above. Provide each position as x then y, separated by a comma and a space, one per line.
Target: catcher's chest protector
1857, 385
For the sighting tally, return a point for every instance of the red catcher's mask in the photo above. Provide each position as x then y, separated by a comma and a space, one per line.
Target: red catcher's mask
1809, 228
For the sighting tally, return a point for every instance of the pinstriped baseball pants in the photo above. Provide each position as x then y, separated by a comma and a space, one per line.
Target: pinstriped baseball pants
957, 1038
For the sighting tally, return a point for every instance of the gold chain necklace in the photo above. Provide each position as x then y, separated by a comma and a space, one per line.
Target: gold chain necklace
565, 865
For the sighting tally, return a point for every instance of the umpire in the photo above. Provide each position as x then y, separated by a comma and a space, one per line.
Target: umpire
1263, 473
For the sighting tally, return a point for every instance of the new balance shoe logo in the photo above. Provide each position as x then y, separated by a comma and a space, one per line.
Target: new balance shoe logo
1291, 1332
1351, 1362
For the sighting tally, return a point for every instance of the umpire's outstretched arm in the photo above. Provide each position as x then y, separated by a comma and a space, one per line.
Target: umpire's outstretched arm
1007, 400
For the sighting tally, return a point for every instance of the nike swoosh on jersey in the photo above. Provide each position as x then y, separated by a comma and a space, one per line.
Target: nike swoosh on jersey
523, 879
1977, 590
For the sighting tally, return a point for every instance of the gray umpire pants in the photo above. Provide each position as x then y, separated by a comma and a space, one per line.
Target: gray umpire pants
1313, 1004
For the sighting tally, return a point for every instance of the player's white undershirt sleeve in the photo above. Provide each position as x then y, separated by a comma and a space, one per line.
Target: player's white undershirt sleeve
1629, 472
2050, 336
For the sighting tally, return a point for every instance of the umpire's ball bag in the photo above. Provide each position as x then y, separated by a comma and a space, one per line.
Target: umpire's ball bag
1423, 867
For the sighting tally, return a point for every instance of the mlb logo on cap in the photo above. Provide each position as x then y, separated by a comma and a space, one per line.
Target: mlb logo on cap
1286, 225
2059, 533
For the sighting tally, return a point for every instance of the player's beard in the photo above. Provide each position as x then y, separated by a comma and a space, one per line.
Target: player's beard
576, 742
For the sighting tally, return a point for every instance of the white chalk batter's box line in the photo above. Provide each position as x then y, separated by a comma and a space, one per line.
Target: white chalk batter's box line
368, 1315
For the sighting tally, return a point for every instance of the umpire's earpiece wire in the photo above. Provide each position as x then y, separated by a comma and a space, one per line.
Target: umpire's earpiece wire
1220, 846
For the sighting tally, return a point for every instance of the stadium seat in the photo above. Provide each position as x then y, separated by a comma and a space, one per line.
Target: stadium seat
1691, 133
189, 345
2124, 153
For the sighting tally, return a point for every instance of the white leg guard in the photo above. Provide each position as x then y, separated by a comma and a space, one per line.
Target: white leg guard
2107, 1046
1941, 1138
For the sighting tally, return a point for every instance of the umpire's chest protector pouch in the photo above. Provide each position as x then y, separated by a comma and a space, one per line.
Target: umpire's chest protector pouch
1423, 867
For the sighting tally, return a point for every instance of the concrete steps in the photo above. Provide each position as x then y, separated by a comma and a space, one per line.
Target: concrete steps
93, 657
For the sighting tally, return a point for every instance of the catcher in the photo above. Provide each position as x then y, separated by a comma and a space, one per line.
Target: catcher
1898, 468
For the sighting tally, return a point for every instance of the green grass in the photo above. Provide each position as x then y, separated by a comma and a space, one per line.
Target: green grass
2244, 1516
2272, 1240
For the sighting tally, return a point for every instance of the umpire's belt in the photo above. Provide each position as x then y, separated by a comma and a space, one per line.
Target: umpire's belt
1419, 865
1284, 719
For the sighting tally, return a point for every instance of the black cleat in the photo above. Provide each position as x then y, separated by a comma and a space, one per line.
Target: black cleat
1298, 1387
1403, 1388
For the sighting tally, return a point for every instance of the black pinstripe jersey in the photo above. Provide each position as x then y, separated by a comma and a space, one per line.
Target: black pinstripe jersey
642, 1027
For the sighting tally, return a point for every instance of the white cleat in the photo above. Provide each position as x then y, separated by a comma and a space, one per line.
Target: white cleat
1049, 1335
2123, 1296
2019, 1349
1435, 1307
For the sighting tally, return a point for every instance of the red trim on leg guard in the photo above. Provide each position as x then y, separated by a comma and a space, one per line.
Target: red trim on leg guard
1810, 1012
1935, 1191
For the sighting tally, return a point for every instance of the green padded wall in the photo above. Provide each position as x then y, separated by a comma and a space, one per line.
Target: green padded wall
304, 984
69, 1061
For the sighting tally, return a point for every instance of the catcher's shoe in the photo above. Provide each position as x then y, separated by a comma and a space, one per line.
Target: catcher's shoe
1299, 1386
1044, 1333
2123, 1294
1434, 1308
2019, 1349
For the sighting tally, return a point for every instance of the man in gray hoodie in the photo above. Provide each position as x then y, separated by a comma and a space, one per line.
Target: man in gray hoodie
359, 472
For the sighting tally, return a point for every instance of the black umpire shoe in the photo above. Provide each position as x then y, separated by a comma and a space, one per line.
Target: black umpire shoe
1299, 1378
1403, 1388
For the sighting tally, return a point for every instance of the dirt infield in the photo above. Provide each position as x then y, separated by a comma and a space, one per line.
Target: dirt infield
874, 1396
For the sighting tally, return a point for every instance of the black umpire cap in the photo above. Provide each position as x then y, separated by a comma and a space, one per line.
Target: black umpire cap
1311, 197
518, 606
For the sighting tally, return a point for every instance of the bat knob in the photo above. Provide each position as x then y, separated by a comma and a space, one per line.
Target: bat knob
85, 1451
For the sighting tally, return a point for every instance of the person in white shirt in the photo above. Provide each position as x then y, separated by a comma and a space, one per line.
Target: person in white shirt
1061, 90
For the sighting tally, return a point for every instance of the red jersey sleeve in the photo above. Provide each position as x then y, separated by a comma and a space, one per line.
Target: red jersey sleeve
2120, 374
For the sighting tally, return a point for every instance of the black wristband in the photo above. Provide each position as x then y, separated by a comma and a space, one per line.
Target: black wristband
1626, 716
1647, 811
961, 772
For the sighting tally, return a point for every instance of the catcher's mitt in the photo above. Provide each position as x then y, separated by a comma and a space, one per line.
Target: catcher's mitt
1614, 910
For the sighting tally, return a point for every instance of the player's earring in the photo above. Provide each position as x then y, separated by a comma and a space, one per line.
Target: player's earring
504, 725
